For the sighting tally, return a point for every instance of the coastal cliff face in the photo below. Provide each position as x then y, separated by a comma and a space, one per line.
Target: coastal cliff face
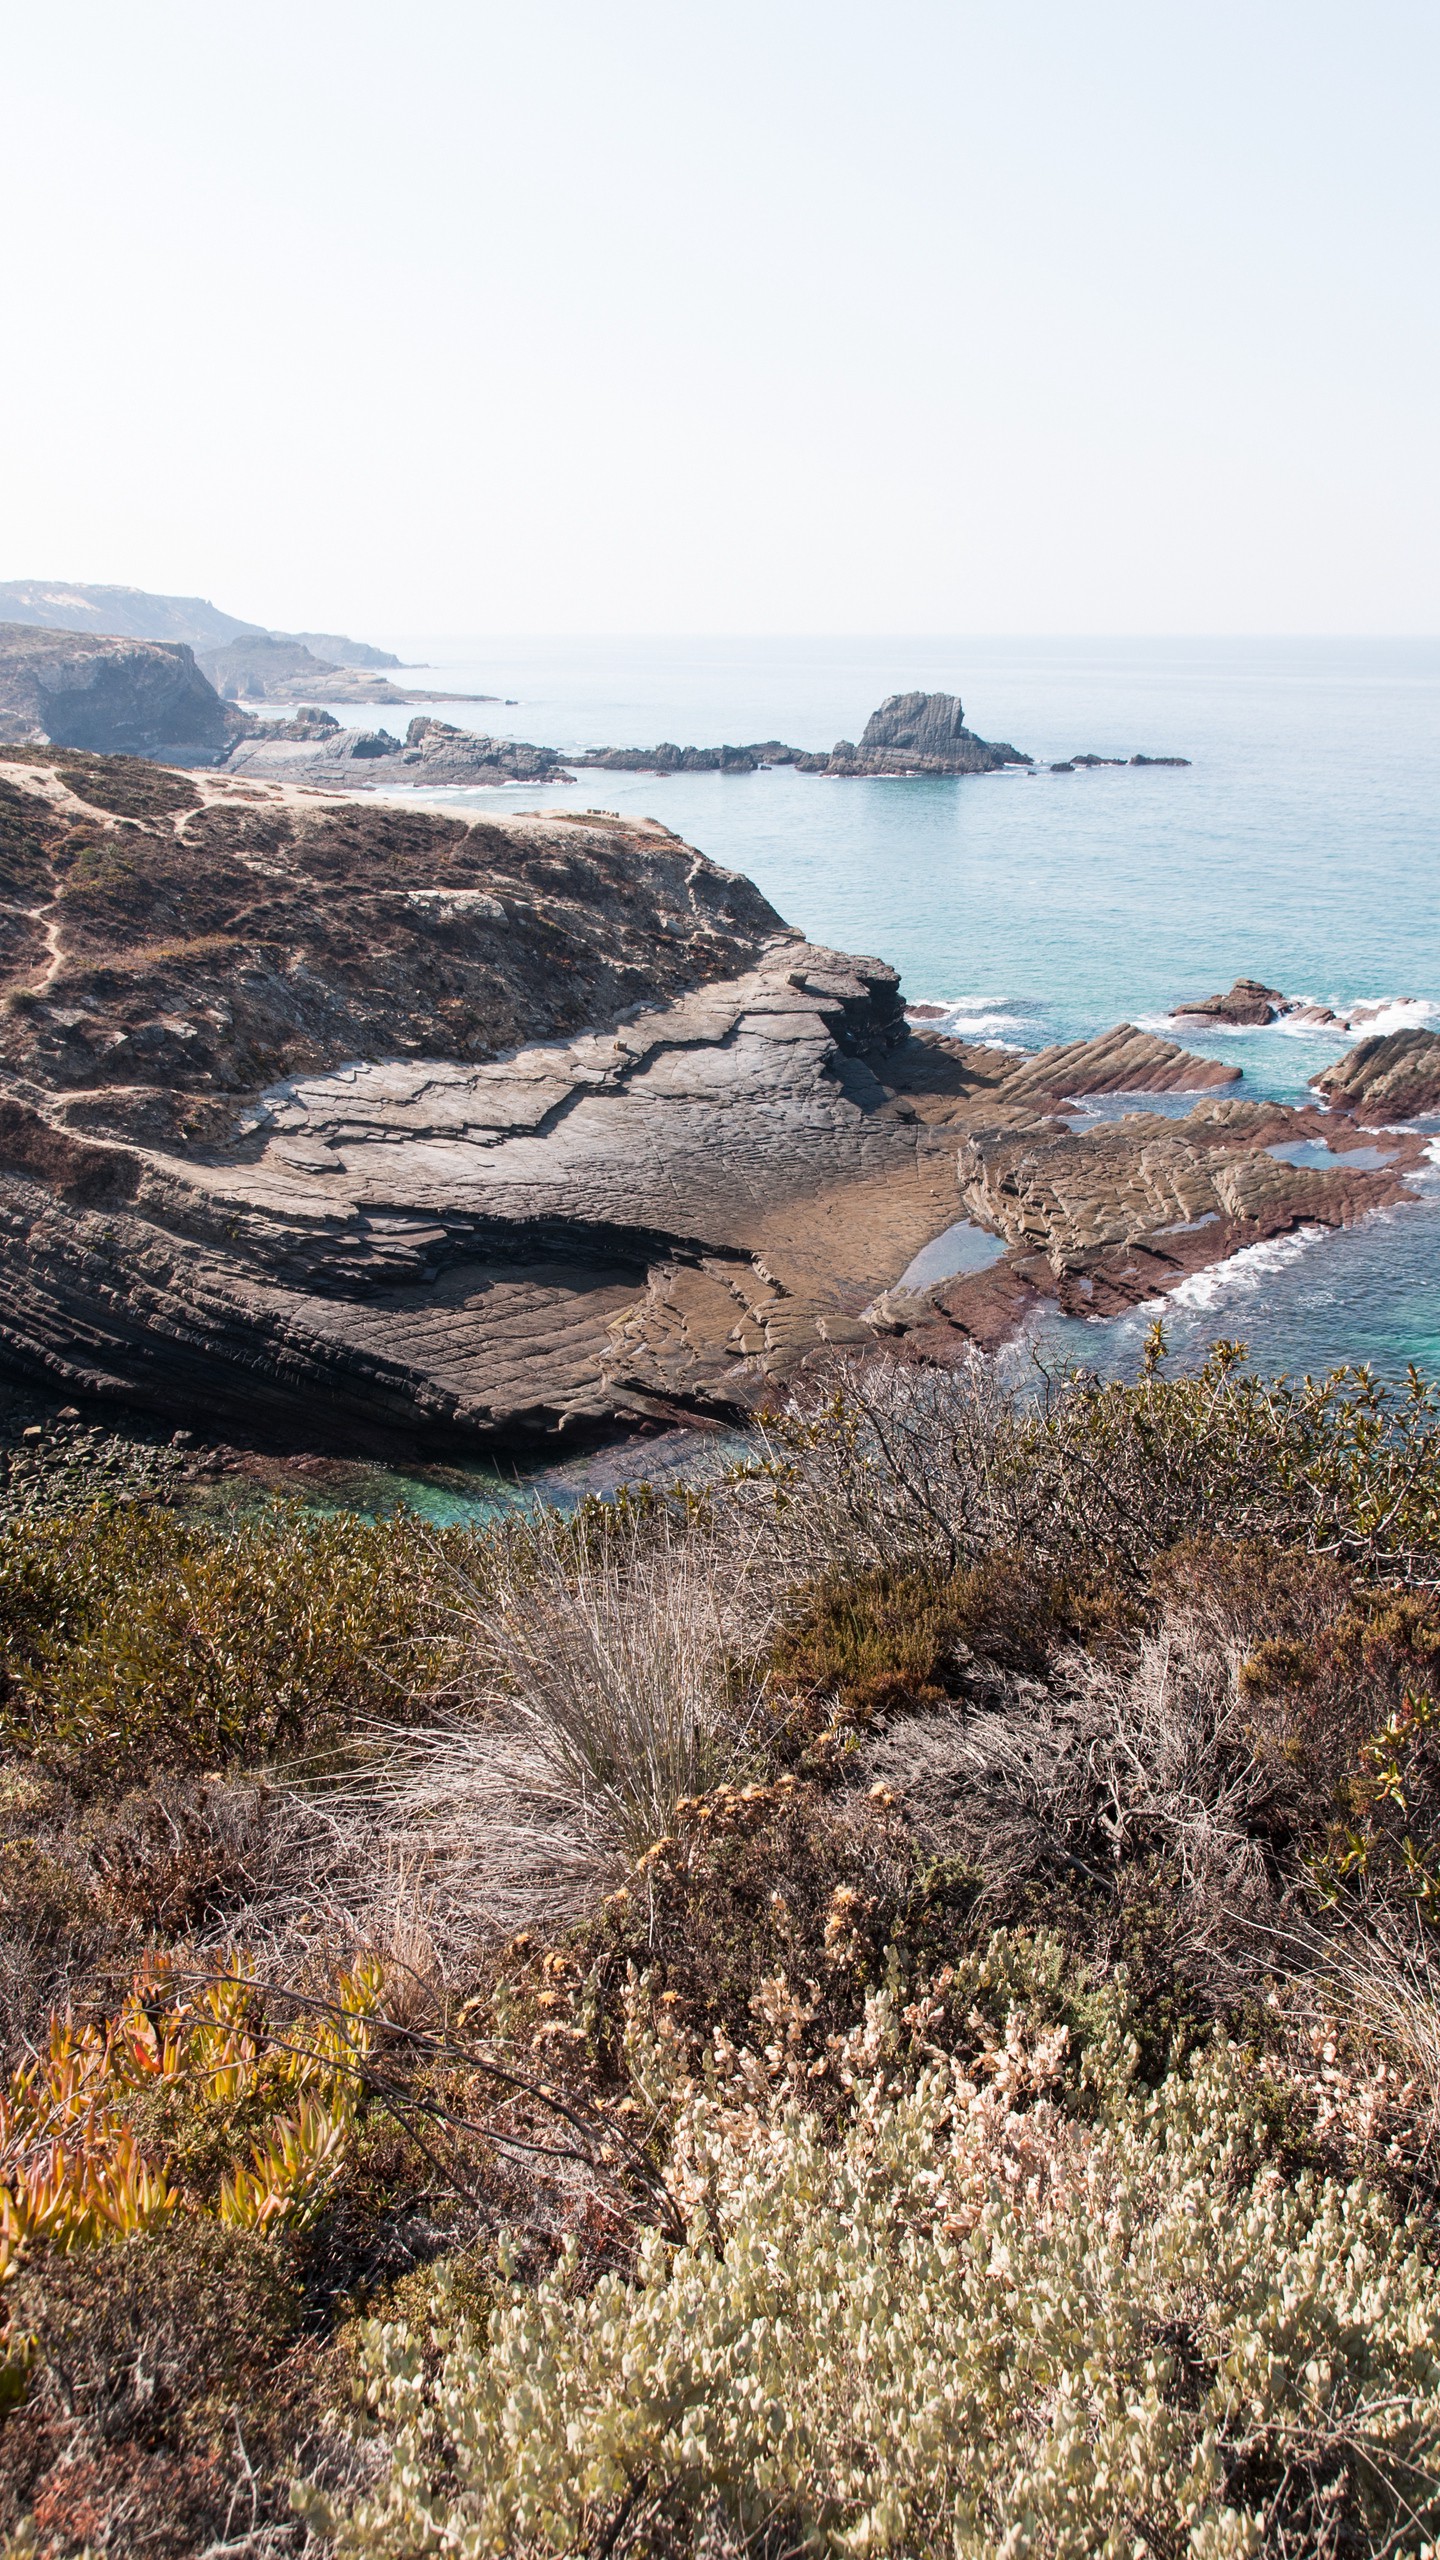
123, 697
365, 1127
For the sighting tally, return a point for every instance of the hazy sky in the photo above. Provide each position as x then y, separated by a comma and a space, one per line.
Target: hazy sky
769, 315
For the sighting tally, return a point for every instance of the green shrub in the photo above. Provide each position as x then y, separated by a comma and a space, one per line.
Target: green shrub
901, 1466
132, 1641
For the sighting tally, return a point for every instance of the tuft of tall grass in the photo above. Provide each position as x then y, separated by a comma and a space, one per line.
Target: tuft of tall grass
603, 1677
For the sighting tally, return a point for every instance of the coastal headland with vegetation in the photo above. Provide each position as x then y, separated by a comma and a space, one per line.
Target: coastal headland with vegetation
880, 2000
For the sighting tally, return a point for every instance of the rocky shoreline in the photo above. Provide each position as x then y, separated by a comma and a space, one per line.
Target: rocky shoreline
154, 699
379, 1130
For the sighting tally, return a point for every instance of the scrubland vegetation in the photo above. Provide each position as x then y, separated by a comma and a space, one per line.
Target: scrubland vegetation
887, 2005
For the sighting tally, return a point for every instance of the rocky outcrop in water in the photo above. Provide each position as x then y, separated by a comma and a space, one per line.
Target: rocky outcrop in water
668, 758
432, 754
916, 733
1120, 1061
366, 1127
1248, 1002
1395, 1078
121, 697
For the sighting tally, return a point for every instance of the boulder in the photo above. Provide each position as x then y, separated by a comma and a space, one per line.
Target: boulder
1248, 1002
1397, 1076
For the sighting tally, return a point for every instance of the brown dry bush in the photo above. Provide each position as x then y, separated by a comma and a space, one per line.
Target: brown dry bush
159, 2414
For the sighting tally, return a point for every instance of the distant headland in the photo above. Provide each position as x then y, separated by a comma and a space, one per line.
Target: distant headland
172, 679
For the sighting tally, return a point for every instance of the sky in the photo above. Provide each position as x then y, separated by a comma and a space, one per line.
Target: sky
773, 316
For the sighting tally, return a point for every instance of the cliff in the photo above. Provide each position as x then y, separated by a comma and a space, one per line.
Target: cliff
110, 696
123, 613
372, 1127
268, 666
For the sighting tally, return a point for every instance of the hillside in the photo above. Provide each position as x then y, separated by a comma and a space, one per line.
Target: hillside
889, 2005
131, 613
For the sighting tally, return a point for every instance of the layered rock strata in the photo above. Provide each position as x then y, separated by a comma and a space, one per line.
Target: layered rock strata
372, 1128
916, 733
1396, 1078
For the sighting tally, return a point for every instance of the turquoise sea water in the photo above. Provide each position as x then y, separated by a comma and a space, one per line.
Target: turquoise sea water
1301, 846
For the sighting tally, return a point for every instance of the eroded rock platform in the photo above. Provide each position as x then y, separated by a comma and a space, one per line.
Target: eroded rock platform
371, 1128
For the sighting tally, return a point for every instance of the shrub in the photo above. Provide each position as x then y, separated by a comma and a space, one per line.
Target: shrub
898, 1466
133, 1641
155, 2392
972, 2325
879, 1641
102, 2136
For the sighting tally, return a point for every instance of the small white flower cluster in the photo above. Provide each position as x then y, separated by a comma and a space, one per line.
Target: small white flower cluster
975, 2322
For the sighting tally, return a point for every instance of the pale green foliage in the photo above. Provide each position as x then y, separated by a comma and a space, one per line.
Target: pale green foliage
975, 2321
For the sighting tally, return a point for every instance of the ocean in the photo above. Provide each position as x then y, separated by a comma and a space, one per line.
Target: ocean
1301, 846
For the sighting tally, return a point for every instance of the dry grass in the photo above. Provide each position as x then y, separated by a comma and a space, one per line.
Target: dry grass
602, 1682
1109, 1762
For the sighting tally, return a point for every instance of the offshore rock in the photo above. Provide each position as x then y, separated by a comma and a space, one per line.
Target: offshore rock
1397, 1077
1124, 1060
668, 758
917, 733
112, 696
1248, 1002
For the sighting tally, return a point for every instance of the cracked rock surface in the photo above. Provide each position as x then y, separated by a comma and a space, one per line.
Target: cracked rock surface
378, 1129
